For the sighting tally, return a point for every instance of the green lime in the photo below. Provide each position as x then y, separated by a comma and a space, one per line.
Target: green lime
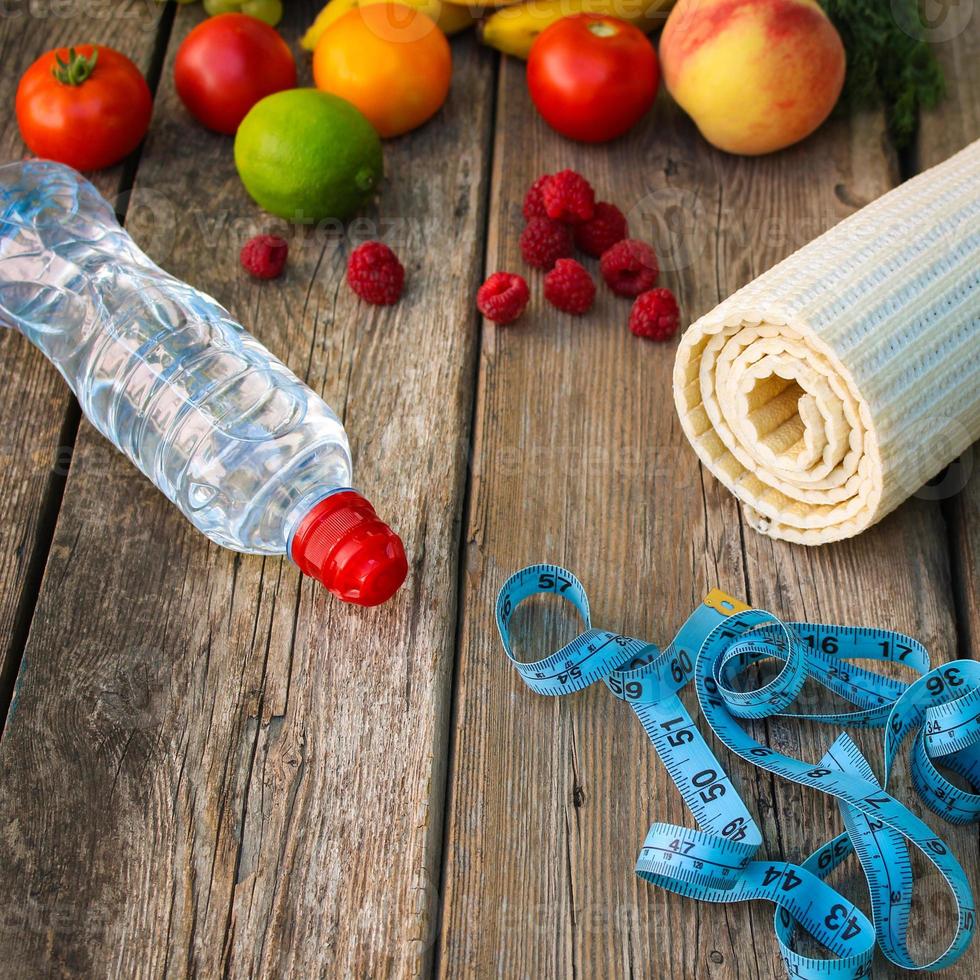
306, 155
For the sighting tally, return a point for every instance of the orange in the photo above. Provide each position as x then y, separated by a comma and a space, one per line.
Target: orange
390, 61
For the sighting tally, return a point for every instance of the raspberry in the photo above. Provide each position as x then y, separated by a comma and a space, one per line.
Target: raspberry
544, 242
568, 197
503, 297
533, 201
629, 267
264, 256
606, 227
655, 315
375, 274
569, 287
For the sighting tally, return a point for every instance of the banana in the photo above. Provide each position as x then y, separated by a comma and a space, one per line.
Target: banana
451, 19
513, 29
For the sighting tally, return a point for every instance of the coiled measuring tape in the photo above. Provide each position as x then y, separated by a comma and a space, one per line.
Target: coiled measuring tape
720, 641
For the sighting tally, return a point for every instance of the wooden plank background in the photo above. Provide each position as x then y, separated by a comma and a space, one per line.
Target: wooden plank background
40, 419
570, 788
211, 767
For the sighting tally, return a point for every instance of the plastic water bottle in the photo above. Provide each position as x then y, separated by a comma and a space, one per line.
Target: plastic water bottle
250, 455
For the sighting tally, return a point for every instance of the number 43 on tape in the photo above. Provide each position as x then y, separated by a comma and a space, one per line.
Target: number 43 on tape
720, 641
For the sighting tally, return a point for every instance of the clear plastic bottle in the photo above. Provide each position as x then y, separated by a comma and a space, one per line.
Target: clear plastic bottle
250, 454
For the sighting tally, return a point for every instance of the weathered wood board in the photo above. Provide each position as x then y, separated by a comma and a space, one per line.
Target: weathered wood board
578, 459
40, 417
213, 767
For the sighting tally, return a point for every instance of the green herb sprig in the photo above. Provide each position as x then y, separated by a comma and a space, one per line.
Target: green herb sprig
886, 65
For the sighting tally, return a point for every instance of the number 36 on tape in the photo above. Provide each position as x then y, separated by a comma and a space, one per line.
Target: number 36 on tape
720, 641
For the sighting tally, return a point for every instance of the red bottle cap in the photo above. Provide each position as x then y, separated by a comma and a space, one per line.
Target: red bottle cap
344, 545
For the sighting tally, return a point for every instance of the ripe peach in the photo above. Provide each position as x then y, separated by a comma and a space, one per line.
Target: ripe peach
755, 75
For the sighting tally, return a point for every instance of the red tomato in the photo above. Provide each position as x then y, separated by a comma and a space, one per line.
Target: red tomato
592, 77
227, 64
84, 106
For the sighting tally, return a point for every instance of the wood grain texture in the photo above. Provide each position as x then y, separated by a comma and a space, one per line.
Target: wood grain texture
35, 405
944, 130
215, 768
579, 459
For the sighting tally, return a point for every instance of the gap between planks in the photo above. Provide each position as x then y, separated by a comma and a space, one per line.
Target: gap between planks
261, 763
49, 504
863, 584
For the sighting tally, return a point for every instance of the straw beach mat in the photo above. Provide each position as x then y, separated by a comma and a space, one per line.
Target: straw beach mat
831, 388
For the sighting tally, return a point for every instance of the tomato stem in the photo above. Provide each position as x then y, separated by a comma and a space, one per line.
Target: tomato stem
76, 69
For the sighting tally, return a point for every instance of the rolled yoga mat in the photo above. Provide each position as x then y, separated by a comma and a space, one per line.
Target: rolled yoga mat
831, 388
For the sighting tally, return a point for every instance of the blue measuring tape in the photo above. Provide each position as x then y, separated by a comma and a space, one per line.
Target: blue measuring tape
722, 640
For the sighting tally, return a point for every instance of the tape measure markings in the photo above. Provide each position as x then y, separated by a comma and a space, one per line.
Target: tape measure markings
850, 790
721, 640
